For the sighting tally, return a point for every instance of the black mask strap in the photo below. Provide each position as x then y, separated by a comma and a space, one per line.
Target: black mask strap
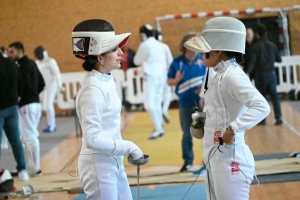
206, 80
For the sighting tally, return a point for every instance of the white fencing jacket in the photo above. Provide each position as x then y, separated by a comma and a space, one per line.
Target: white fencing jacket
231, 99
49, 70
211, 75
154, 56
98, 108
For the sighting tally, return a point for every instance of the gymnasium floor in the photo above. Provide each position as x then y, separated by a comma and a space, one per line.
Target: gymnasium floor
62, 147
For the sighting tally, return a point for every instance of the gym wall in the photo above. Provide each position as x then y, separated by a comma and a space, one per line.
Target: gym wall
50, 23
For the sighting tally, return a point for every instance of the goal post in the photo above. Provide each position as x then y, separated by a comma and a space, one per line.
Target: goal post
173, 27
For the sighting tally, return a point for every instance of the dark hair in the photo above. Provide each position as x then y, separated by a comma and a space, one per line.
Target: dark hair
18, 46
148, 32
89, 63
261, 30
93, 25
157, 35
238, 56
39, 52
186, 38
2, 48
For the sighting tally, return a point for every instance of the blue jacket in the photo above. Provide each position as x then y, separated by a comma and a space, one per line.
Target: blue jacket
193, 79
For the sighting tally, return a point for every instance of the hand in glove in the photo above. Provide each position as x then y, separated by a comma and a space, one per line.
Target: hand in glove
125, 147
136, 154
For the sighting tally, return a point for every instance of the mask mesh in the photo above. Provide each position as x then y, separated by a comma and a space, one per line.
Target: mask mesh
221, 38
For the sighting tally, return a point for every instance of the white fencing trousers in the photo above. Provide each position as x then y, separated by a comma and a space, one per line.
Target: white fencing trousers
167, 95
153, 89
30, 117
48, 97
103, 177
220, 180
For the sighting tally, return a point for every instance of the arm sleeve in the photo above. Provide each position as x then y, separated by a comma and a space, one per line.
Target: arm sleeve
41, 82
140, 55
26, 80
169, 56
240, 88
172, 70
20, 82
92, 102
55, 72
252, 60
277, 55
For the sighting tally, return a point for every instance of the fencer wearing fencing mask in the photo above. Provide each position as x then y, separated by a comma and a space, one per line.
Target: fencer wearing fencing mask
154, 57
98, 106
52, 77
232, 105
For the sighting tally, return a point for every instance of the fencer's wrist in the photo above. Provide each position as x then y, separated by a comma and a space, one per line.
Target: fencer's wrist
234, 126
230, 130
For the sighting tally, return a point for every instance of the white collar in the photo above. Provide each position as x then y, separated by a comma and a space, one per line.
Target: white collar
223, 65
101, 76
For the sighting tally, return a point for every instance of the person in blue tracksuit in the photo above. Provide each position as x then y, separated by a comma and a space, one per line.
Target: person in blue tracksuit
187, 73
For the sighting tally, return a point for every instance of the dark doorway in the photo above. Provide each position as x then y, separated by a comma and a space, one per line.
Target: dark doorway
271, 24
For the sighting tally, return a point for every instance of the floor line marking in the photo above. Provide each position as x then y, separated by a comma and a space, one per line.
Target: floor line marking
291, 127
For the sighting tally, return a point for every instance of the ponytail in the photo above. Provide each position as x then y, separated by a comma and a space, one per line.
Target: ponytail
90, 63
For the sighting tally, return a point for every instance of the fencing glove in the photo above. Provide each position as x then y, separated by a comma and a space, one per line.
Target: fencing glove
125, 147
197, 126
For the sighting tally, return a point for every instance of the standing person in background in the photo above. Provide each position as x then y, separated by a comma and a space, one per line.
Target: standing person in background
52, 77
250, 40
263, 55
100, 163
187, 73
167, 94
29, 106
11, 87
154, 58
127, 115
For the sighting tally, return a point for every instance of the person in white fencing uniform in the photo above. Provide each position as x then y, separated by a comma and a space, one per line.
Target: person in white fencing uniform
154, 58
232, 106
29, 106
167, 93
100, 163
51, 74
